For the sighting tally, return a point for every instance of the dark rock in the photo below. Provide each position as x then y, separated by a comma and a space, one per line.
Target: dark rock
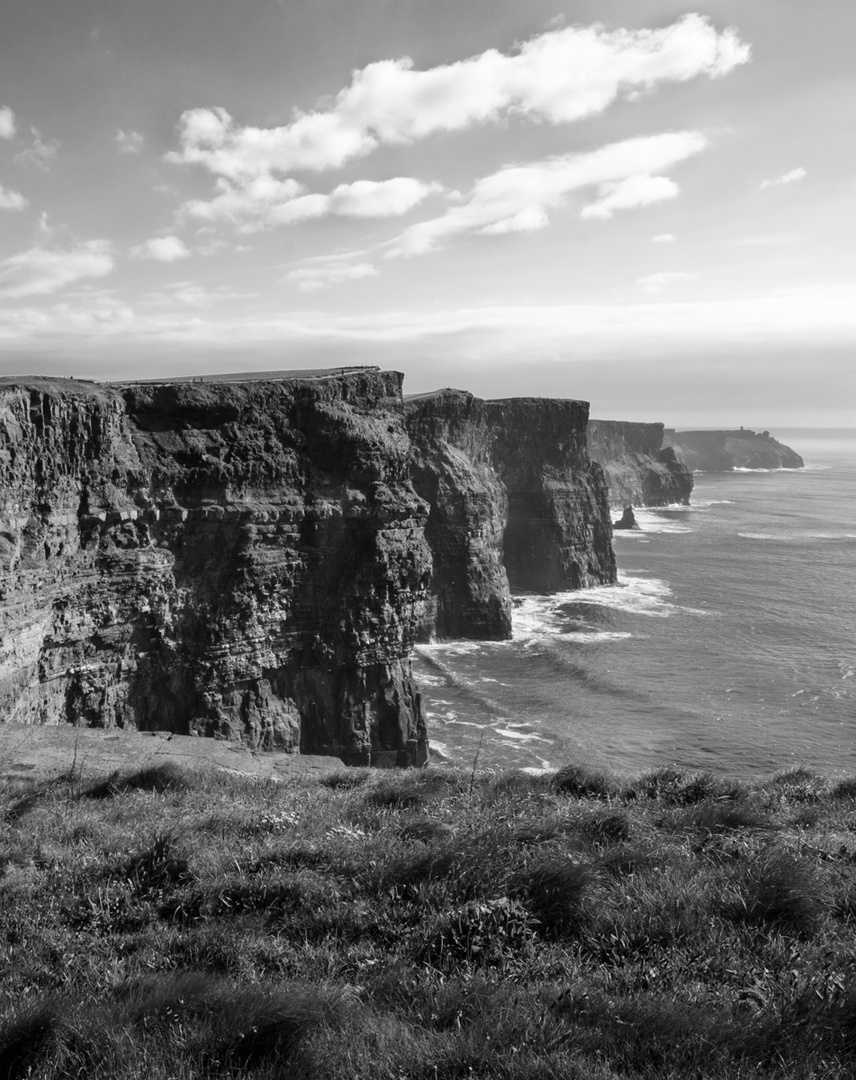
640, 470
627, 520
241, 559
515, 502
722, 451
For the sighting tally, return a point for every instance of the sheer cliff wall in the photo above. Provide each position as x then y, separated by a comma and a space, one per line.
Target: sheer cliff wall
722, 451
243, 560
640, 470
515, 502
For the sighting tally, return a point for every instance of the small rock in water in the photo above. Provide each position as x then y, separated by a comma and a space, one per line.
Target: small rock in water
627, 520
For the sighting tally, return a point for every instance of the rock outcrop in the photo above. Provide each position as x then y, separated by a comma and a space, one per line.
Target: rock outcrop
722, 451
243, 560
515, 503
640, 470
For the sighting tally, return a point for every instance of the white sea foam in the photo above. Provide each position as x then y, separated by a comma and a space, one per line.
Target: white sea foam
521, 736
590, 636
439, 750
652, 521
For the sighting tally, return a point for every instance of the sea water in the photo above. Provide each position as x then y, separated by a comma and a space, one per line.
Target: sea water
728, 644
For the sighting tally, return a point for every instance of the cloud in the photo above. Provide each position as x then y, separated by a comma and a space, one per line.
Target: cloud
11, 200
129, 142
791, 177
315, 278
664, 238
518, 197
41, 270
7, 123
562, 75
629, 193
39, 154
265, 201
162, 249
655, 283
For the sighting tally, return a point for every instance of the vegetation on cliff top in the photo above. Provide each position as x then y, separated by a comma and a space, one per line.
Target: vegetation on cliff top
428, 925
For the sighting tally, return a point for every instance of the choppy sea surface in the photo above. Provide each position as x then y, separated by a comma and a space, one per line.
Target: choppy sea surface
729, 643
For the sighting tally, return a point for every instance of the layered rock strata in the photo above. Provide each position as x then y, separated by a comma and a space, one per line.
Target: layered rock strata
640, 470
242, 560
722, 451
515, 502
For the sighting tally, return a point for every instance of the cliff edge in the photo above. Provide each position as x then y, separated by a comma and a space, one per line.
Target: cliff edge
515, 502
722, 451
640, 470
233, 559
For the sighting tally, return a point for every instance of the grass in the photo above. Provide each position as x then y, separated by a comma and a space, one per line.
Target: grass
428, 924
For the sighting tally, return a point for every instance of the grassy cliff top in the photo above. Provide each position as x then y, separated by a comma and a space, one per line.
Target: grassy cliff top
191, 922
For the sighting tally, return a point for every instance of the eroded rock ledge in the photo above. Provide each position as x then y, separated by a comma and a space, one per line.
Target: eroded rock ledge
515, 502
722, 451
244, 560
640, 470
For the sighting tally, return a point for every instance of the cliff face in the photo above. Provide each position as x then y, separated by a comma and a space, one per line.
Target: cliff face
244, 560
721, 451
640, 471
515, 502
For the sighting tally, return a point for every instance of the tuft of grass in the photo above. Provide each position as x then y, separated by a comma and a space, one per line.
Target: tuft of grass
553, 890
160, 778
583, 782
782, 892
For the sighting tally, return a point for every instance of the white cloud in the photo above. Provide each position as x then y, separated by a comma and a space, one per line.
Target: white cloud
629, 193
315, 278
655, 283
265, 201
7, 123
791, 177
559, 76
39, 154
11, 200
41, 271
517, 198
664, 238
129, 142
161, 248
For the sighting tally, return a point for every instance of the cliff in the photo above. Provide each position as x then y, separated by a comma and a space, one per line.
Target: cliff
515, 502
721, 451
640, 470
243, 560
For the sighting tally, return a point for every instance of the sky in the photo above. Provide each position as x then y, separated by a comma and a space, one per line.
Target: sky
640, 203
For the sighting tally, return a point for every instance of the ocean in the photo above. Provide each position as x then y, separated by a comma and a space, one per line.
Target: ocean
729, 643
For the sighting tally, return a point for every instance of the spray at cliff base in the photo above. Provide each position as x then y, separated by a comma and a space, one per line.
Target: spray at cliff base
729, 643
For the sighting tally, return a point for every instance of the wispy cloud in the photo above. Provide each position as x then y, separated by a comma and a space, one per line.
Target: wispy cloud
39, 154
517, 198
43, 270
11, 200
129, 142
165, 249
640, 190
266, 201
791, 177
558, 76
664, 238
7, 123
655, 283
323, 276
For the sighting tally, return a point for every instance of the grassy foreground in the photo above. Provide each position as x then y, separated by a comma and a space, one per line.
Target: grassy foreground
182, 924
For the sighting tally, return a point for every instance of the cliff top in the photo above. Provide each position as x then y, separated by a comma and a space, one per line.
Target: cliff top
59, 382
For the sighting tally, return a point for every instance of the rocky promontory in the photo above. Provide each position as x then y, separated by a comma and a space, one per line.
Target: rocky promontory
515, 502
640, 470
723, 451
253, 557
233, 559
